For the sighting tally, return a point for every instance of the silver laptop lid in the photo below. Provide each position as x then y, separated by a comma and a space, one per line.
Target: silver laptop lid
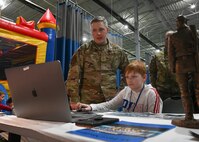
38, 92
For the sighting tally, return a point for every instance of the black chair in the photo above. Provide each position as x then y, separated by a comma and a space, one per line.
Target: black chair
173, 105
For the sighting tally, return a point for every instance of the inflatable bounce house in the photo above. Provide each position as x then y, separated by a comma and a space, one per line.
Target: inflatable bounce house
21, 44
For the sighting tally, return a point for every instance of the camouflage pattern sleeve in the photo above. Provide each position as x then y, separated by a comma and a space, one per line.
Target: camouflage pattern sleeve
123, 63
153, 71
72, 84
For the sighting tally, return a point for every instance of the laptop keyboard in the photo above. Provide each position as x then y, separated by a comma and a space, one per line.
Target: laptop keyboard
83, 115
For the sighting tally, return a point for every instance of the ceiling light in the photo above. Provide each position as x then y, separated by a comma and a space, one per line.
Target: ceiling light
193, 6
125, 27
84, 39
157, 50
4, 3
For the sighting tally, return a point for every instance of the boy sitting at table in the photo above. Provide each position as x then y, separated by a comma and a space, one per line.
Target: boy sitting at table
136, 97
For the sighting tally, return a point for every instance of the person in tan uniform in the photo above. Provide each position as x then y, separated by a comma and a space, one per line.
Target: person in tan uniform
183, 61
92, 73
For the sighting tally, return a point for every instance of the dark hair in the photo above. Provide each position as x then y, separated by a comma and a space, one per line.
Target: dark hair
100, 19
9, 101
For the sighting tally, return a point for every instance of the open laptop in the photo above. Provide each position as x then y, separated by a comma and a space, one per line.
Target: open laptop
38, 92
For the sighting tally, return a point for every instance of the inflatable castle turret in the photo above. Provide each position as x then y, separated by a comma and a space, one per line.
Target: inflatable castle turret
47, 24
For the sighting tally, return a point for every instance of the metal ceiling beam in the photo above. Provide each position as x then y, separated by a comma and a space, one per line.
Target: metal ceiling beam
34, 6
124, 22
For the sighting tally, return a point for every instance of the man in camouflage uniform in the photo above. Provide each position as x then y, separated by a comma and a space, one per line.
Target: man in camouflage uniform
161, 77
92, 73
182, 61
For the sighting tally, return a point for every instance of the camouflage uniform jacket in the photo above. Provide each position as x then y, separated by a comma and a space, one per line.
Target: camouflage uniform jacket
161, 77
92, 73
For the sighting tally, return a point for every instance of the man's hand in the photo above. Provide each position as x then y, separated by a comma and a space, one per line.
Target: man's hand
83, 107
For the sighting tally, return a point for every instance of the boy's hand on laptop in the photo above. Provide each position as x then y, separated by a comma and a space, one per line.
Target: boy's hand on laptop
83, 107
73, 106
